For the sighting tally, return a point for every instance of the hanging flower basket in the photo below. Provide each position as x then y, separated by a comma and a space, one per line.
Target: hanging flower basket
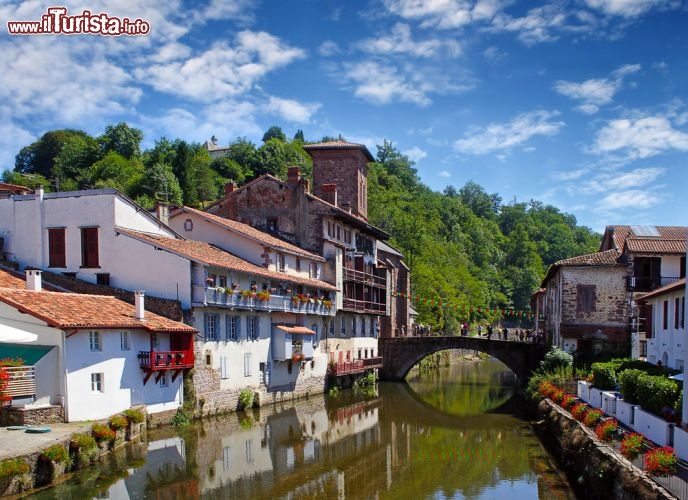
263, 296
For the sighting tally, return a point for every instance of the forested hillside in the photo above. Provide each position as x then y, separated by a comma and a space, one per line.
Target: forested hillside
463, 246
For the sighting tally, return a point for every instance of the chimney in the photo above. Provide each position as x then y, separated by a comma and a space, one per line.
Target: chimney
33, 280
39, 193
293, 176
329, 193
138, 304
162, 211
229, 188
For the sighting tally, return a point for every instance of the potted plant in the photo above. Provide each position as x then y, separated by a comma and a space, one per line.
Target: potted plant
263, 296
632, 445
606, 430
295, 300
246, 294
660, 461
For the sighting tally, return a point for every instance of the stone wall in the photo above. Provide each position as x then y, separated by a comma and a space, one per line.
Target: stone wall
594, 469
53, 414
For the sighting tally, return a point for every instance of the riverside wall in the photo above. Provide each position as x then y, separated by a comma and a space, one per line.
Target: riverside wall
595, 470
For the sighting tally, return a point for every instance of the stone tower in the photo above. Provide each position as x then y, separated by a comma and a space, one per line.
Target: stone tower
340, 175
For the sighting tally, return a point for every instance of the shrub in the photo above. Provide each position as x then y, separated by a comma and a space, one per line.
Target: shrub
568, 401
656, 393
333, 391
13, 467
82, 441
556, 358
632, 445
628, 380
118, 422
57, 453
660, 461
592, 417
606, 429
246, 398
181, 418
578, 411
134, 416
604, 375
102, 433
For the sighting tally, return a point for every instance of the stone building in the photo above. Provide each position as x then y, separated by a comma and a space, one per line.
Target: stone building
332, 222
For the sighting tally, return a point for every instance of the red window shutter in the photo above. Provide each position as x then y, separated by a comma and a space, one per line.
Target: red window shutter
57, 255
89, 247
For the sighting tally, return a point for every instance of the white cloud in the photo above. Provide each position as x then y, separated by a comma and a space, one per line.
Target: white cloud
621, 181
636, 199
594, 93
537, 26
400, 41
415, 153
630, 8
291, 110
328, 48
503, 136
569, 175
444, 173
444, 14
642, 137
223, 70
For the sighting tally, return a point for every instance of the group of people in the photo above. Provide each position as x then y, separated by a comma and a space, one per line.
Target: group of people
503, 333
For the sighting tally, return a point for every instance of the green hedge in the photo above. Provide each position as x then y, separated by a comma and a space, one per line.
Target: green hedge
655, 393
628, 379
605, 375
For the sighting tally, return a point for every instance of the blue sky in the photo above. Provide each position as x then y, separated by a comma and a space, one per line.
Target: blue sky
580, 104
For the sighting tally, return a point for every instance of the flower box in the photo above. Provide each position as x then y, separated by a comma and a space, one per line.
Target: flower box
654, 428
625, 412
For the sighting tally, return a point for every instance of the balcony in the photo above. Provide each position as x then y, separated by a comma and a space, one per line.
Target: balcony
366, 306
364, 278
165, 360
355, 366
281, 303
649, 283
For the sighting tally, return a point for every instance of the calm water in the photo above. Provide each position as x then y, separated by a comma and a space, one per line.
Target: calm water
445, 435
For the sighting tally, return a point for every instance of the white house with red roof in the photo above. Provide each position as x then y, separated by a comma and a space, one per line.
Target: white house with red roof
100, 355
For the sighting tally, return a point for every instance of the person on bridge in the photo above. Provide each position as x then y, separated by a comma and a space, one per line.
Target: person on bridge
489, 332
505, 333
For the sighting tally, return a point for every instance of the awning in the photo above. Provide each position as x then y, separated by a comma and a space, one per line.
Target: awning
296, 329
29, 354
15, 335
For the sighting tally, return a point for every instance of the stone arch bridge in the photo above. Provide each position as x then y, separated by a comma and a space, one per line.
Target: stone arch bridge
399, 354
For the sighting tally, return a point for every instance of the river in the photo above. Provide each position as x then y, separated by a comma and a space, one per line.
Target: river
447, 434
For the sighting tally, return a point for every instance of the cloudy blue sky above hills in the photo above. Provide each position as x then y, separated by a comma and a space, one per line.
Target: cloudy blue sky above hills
580, 104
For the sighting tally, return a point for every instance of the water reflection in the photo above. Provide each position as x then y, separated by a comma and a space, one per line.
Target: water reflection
429, 439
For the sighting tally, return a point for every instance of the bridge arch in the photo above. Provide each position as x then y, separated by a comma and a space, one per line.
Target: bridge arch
400, 354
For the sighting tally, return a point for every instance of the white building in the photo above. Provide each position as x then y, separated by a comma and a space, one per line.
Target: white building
101, 355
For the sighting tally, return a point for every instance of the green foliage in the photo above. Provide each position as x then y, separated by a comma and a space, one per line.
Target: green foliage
656, 393
134, 416
556, 358
660, 461
275, 132
632, 445
605, 375
82, 441
102, 433
592, 417
13, 467
366, 385
122, 139
333, 391
246, 398
628, 379
57, 453
85, 448
118, 422
605, 430
181, 419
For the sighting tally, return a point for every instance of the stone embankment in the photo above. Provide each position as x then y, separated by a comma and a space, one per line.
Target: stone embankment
594, 468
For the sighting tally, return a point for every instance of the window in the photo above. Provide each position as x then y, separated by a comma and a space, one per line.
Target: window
271, 224
665, 315
97, 384
347, 236
232, 327
314, 274
124, 341
281, 262
57, 254
252, 328
677, 310
188, 225
298, 264
89, 247
224, 367
314, 327
585, 298
164, 382
353, 326
103, 279
343, 325
210, 327
339, 232
247, 364
154, 340
329, 229
94, 341
372, 327
332, 327
222, 281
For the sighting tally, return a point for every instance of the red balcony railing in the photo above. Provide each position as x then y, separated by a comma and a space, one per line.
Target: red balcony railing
366, 278
355, 366
363, 305
166, 360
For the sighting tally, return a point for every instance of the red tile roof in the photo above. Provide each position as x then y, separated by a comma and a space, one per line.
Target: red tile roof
205, 253
14, 188
73, 310
655, 246
617, 236
606, 258
339, 145
15, 279
251, 232
296, 329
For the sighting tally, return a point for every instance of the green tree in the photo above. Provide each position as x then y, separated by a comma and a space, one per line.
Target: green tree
39, 156
122, 139
274, 132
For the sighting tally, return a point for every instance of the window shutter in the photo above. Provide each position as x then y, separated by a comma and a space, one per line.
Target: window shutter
57, 256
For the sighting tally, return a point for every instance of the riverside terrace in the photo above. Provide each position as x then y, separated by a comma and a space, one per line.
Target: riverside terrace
399, 354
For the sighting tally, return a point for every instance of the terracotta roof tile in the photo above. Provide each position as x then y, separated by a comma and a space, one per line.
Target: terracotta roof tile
606, 258
73, 310
339, 145
203, 252
621, 233
15, 279
252, 233
656, 245
678, 284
